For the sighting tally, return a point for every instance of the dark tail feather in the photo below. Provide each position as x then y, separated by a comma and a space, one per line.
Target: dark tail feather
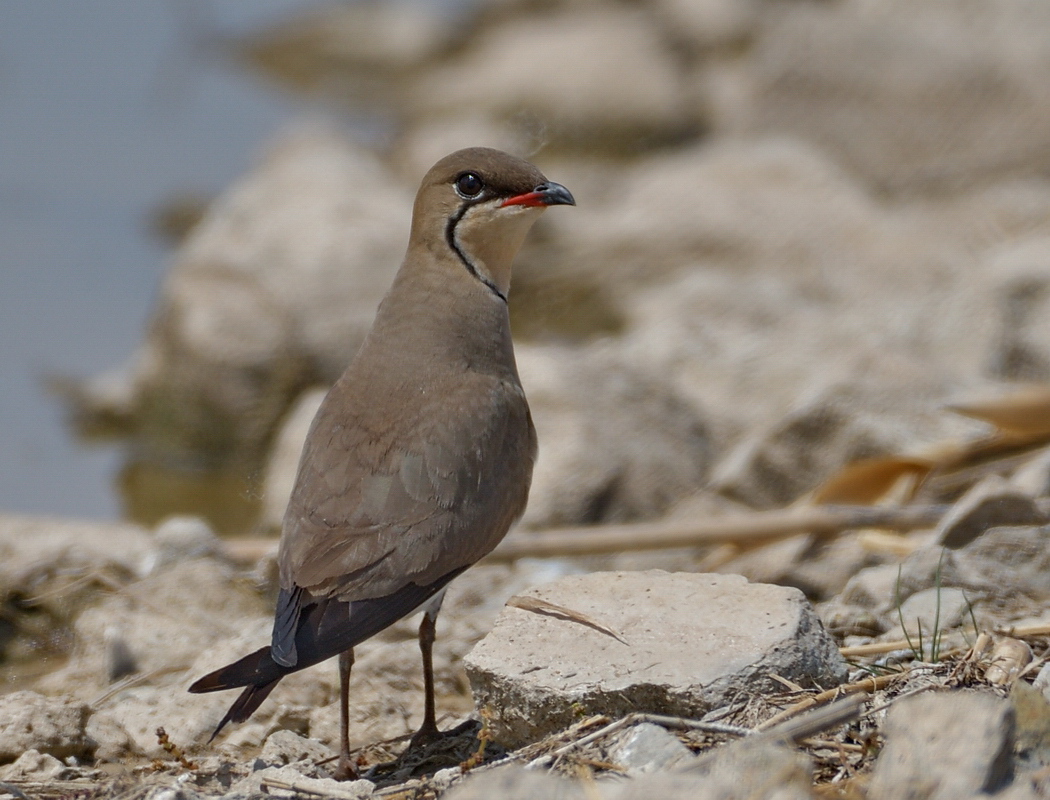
322, 629
254, 669
244, 706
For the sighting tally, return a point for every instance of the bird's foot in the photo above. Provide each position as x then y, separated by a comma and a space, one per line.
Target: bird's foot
427, 734
345, 771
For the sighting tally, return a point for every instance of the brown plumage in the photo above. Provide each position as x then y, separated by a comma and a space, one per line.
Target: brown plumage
420, 457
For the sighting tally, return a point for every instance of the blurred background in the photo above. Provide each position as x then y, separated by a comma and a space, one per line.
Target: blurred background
803, 226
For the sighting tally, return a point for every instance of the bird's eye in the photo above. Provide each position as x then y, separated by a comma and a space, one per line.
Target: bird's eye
469, 185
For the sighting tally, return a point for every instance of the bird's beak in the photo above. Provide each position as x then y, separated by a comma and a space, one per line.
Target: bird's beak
546, 194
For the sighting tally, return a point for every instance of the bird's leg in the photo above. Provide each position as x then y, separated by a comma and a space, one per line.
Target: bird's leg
345, 770
428, 731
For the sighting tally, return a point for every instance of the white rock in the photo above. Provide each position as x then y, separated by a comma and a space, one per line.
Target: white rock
707, 24
53, 726
745, 770
164, 621
691, 642
934, 610
325, 787
34, 766
649, 748
615, 442
272, 291
992, 503
184, 538
945, 745
515, 783
593, 75
1019, 274
285, 747
857, 79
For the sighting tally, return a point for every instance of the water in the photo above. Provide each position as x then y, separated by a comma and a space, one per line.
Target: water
107, 109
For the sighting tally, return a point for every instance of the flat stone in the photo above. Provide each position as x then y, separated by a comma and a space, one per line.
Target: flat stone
747, 770
56, 727
690, 642
1007, 560
286, 747
253, 784
992, 503
164, 620
615, 80
944, 746
1032, 712
932, 610
872, 587
649, 748
515, 783
33, 765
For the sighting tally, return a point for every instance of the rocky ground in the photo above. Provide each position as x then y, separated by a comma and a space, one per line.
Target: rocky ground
809, 265
920, 672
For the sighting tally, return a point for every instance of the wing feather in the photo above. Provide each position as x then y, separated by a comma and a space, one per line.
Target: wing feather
409, 492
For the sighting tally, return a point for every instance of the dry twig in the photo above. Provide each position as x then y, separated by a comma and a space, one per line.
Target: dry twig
745, 529
866, 686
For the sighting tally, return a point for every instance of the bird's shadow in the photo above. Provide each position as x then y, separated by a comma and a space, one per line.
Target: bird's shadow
455, 747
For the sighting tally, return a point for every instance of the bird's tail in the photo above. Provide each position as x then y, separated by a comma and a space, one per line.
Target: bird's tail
244, 706
255, 672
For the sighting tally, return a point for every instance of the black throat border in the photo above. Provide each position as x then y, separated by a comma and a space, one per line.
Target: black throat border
450, 237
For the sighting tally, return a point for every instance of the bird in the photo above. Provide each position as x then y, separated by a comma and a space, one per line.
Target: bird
420, 457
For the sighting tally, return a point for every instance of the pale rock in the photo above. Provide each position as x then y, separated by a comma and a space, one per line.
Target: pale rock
254, 785
273, 291
53, 726
843, 619
184, 539
873, 588
927, 567
1019, 274
596, 76
285, 747
515, 783
431, 138
933, 611
35, 766
163, 621
535, 673
757, 278
617, 444
1032, 713
846, 423
1007, 560
708, 24
30, 545
751, 770
745, 770
826, 568
113, 744
992, 503
1033, 477
771, 563
61, 563
339, 48
945, 745
648, 748
857, 80
178, 792
747, 205
189, 719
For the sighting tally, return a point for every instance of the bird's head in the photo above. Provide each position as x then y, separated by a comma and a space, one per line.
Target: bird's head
477, 205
